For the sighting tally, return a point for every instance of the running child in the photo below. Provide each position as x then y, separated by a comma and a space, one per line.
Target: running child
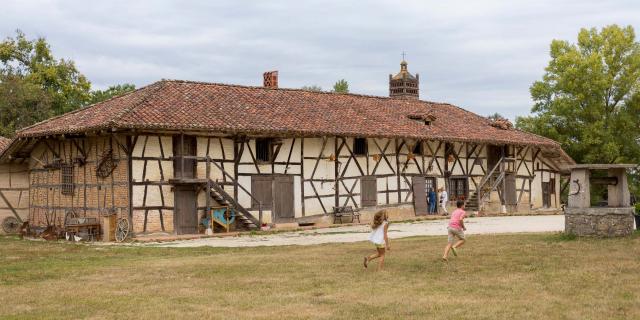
379, 238
455, 230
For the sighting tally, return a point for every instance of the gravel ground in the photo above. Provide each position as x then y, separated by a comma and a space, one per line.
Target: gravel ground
483, 225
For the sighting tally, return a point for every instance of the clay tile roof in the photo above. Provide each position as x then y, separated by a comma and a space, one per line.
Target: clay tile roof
234, 109
4, 142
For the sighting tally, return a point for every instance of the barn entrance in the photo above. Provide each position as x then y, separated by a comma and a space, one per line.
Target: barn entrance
185, 220
494, 153
275, 192
419, 196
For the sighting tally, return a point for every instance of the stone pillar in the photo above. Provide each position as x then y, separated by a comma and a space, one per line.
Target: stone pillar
619, 193
579, 195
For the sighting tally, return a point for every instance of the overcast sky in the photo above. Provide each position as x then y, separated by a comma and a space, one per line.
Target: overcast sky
480, 55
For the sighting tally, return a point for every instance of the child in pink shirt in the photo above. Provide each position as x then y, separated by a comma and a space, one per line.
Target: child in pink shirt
455, 230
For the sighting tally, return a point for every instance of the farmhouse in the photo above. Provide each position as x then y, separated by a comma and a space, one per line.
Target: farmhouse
165, 154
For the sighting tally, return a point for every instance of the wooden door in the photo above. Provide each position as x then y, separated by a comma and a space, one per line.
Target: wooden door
419, 195
510, 193
262, 190
184, 146
546, 194
185, 219
368, 191
494, 153
283, 204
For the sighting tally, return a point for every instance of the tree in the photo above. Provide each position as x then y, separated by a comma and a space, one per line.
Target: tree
112, 91
33, 61
312, 87
22, 103
589, 97
341, 86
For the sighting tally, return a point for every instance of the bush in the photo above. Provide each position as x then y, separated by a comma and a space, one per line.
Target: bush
638, 209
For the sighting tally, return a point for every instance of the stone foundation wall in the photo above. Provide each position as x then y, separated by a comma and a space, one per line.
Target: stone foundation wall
603, 222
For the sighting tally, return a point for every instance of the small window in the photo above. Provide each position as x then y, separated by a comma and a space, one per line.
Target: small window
263, 150
360, 146
459, 188
417, 149
66, 173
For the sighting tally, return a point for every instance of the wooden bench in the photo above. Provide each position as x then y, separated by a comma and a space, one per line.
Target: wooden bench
346, 211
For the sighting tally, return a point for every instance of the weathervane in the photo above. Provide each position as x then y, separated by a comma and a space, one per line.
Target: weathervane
403, 54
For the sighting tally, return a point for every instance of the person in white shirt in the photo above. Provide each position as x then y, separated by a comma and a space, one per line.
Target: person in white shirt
444, 197
379, 238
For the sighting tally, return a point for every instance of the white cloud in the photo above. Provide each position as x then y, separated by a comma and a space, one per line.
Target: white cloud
482, 55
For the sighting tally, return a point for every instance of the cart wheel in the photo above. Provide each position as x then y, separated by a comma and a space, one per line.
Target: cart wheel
11, 225
122, 229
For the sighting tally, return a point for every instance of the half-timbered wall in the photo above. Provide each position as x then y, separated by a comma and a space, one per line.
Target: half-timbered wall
14, 190
84, 193
326, 173
152, 196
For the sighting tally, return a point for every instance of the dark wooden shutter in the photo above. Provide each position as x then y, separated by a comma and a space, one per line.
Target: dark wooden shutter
368, 191
261, 189
419, 195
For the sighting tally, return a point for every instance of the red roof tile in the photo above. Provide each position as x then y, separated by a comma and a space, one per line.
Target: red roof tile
184, 105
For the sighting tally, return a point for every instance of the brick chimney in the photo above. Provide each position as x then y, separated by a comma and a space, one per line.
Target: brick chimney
270, 79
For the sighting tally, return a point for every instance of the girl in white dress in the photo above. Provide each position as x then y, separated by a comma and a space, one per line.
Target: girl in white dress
379, 238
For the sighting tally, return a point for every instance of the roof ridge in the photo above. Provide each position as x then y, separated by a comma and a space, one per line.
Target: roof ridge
294, 89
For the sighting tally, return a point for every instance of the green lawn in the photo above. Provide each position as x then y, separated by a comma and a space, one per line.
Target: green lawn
539, 276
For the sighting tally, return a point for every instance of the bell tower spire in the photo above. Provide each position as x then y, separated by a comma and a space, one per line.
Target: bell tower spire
404, 85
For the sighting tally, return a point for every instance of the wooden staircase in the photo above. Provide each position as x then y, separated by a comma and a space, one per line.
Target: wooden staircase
243, 216
488, 184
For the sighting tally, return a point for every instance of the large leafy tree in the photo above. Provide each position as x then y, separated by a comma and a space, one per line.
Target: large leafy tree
589, 97
32, 61
34, 85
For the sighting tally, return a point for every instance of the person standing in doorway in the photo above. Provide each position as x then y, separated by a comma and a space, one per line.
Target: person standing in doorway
444, 197
432, 199
455, 230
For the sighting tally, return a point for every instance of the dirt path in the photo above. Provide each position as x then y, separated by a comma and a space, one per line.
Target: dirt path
485, 225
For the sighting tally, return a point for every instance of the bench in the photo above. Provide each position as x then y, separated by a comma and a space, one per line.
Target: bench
346, 211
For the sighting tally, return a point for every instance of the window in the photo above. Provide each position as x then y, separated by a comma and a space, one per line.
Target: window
360, 146
66, 173
417, 149
459, 188
263, 150
430, 183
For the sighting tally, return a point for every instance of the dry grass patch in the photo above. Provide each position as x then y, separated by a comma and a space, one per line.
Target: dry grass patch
539, 276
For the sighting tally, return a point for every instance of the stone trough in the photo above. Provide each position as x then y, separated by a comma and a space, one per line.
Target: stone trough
615, 219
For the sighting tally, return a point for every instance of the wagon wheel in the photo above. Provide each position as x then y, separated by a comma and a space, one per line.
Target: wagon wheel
11, 225
122, 229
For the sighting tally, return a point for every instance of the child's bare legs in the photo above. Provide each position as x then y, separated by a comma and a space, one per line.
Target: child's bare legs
458, 244
379, 254
446, 251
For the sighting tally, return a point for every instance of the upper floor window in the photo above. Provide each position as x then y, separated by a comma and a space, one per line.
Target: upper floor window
264, 152
360, 146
